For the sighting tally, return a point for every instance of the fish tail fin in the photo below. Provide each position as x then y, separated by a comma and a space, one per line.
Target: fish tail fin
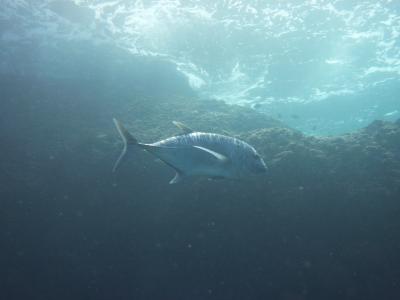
127, 139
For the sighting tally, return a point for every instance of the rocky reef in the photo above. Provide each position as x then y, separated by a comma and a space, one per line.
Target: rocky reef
363, 161
74, 121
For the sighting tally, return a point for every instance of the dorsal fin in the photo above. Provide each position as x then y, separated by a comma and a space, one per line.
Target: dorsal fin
182, 127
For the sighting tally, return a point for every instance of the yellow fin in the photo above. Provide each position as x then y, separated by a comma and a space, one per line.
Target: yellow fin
182, 127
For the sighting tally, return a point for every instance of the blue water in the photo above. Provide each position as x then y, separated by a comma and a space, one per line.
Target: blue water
324, 67
303, 81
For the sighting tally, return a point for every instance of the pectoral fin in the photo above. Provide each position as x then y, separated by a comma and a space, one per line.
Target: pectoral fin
186, 160
220, 157
193, 153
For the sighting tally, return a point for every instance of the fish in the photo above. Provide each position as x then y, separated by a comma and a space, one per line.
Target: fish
203, 154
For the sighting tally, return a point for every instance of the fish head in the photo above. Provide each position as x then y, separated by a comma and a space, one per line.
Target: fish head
252, 163
256, 164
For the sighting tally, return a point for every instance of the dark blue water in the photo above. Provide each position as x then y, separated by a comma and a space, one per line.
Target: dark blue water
318, 94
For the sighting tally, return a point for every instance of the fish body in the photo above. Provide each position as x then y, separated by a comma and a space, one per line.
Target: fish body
200, 154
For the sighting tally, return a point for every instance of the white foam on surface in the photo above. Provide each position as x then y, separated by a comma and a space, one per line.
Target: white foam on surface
239, 51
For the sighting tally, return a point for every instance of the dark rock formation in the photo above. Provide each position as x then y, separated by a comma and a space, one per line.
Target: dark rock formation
362, 161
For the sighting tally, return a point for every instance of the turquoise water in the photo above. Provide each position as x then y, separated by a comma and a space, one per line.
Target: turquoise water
324, 67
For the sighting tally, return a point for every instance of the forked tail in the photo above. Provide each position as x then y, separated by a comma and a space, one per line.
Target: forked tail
127, 139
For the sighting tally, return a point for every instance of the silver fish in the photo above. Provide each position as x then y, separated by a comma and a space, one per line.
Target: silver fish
199, 154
